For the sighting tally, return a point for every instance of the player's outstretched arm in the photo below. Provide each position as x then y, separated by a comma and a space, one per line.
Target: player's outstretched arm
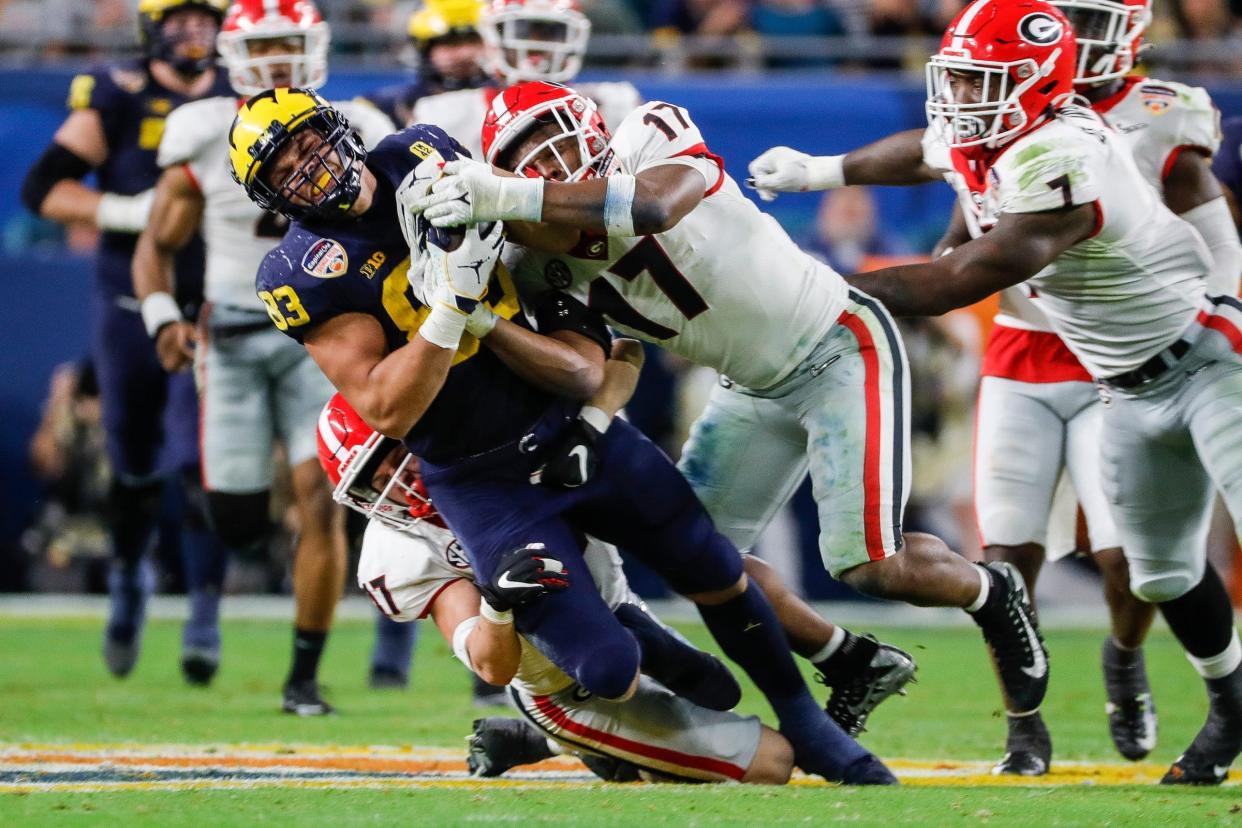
1192, 191
391, 391
1018, 247
896, 160
176, 214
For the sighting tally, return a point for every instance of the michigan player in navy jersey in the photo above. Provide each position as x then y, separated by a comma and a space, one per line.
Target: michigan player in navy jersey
114, 128
484, 416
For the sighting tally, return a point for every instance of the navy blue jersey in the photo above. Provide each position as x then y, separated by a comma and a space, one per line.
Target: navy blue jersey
1227, 163
132, 107
323, 269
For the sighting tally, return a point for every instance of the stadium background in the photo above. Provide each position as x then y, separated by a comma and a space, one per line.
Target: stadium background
754, 74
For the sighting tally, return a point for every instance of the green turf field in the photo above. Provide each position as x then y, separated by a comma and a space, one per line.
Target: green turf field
54, 690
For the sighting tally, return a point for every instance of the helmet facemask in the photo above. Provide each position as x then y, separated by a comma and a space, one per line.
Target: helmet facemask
1108, 34
573, 119
998, 116
179, 40
327, 178
525, 45
303, 63
401, 501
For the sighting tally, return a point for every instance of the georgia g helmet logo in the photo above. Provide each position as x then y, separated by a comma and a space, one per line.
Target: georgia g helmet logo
1039, 29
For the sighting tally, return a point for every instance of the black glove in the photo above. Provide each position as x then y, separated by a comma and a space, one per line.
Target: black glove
570, 461
523, 575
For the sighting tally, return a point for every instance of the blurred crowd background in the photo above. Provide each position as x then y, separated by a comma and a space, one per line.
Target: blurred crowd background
824, 75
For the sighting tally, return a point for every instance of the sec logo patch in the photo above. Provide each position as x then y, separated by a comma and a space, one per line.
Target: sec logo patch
556, 273
326, 259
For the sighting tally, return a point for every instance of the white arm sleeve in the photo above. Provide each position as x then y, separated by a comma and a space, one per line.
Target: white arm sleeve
1215, 224
460, 636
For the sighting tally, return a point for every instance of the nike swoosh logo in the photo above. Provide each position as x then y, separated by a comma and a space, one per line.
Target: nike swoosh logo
1040, 668
506, 583
580, 452
751, 626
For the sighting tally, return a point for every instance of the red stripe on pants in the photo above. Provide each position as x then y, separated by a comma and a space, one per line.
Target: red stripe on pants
1223, 327
672, 757
871, 456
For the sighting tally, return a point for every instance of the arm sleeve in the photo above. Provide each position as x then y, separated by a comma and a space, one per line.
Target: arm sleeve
1215, 224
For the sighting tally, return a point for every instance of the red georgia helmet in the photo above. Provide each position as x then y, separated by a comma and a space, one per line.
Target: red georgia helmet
252, 20
526, 40
351, 452
521, 108
1110, 36
1024, 51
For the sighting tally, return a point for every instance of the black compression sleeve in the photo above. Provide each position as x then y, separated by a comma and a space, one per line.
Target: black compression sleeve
557, 311
55, 164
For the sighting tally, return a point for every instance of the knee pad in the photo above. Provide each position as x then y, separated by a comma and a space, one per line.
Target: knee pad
133, 512
1159, 587
240, 521
608, 668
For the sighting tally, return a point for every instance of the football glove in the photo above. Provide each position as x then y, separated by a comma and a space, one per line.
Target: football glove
415, 187
571, 461
523, 576
470, 192
785, 170
466, 270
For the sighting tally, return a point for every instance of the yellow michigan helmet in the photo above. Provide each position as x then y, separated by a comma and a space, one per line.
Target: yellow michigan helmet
328, 178
440, 18
151, 17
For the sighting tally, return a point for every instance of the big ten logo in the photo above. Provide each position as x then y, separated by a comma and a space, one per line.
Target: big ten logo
372, 265
422, 149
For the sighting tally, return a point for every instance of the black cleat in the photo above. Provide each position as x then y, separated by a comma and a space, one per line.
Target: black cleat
199, 666
868, 771
1028, 747
497, 744
1131, 711
120, 653
303, 698
609, 768
1012, 634
855, 697
1218, 742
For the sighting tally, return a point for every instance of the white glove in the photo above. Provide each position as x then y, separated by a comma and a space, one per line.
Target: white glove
416, 186
122, 213
481, 322
467, 270
785, 170
471, 192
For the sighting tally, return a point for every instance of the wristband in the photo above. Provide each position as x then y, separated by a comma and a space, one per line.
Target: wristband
619, 205
595, 418
122, 213
495, 616
825, 172
159, 309
443, 327
519, 199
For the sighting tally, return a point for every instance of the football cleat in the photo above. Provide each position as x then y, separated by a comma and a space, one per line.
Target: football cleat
1131, 711
868, 771
128, 590
497, 744
1012, 634
1218, 742
488, 695
303, 699
854, 698
120, 655
199, 665
1028, 747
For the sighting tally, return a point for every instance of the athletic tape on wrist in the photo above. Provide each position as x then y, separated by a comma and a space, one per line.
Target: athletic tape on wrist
619, 205
159, 309
595, 418
826, 172
443, 326
494, 615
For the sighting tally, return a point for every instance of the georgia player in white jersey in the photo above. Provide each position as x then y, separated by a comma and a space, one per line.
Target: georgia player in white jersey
414, 568
1038, 409
647, 228
254, 383
1122, 280
524, 40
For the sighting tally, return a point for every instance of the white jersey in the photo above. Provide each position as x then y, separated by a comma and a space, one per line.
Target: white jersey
1132, 288
238, 234
726, 287
403, 572
1157, 120
460, 113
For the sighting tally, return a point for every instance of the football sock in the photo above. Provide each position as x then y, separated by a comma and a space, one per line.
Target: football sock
677, 664
748, 631
202, 628
394, 645
850, 659
133, 515
828, 650
1202, 619
129, 586
307, 648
